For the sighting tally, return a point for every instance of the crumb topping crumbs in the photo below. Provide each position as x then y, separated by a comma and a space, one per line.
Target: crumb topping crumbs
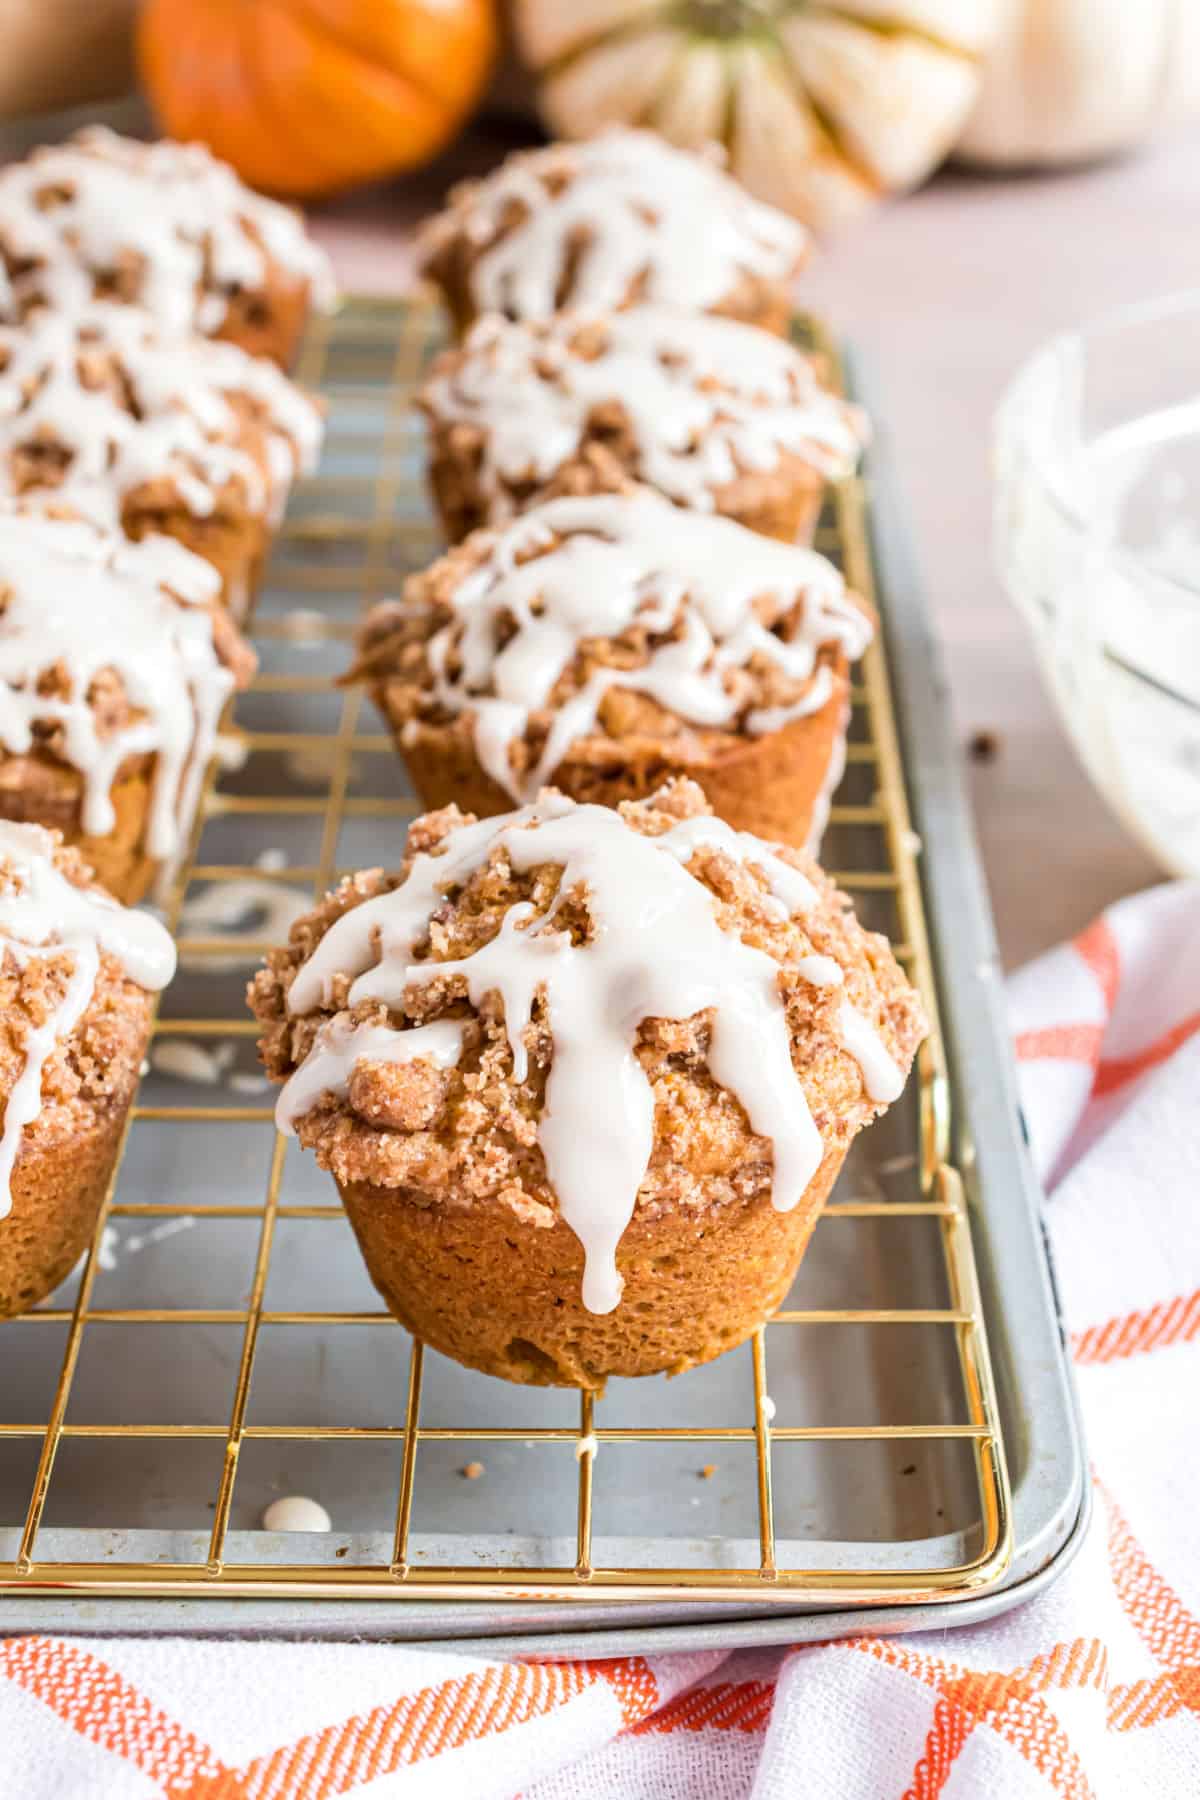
468, 1135
612, 618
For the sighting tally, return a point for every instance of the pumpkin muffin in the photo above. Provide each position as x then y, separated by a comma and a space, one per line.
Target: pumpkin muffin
618, 219
116, 661
609, 642
584, 1078
77, 973
165, 227
712, 413
194, 440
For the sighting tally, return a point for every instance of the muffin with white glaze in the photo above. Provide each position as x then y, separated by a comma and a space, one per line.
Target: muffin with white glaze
584, 1078
77, 976
618, 219
714, 414
116, 662
198, 441
165, 227
607, 643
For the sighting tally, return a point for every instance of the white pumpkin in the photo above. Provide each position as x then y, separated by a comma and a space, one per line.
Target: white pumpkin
822, 105
1069, 80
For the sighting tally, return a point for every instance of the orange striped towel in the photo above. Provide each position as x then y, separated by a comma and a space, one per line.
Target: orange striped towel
1091, 1690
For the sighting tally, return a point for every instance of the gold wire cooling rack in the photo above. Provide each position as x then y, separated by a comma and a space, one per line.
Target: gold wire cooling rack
351, 533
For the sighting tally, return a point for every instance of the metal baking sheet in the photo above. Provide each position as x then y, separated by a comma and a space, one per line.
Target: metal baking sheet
872, 1509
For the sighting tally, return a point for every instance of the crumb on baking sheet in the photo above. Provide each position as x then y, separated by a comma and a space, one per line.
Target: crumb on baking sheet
296, 1512
983, 746
472, 1471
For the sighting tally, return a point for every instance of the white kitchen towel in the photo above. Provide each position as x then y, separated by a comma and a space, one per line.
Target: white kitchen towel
1091, 1690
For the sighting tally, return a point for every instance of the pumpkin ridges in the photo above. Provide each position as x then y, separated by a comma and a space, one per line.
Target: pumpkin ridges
830, 167
181, 107
892, 26
864, 90
533, 33
445, 59
668, 14
280, 144
304, 98
277, 171
628, 95
306, 79
662, 19
663, 111
648, 112
827, 126
875, 107
261, 156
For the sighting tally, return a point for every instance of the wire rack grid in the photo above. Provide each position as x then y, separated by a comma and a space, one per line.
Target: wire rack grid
317, 777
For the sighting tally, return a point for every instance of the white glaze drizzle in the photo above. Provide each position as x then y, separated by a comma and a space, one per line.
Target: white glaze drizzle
671, 222
395, 923
881, 1078
821, 971
656, 950
823, 801
706, 399
341, 1044
791, 892
42, 912
181, 424
85, 601
763, 719
789, 889
626, 558
196, 232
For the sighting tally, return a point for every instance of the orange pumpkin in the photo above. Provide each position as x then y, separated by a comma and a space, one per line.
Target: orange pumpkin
307, 96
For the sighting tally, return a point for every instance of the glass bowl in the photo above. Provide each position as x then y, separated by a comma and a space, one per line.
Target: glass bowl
1097, 469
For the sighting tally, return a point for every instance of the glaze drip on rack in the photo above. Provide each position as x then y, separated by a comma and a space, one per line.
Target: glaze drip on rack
574, 569
44, 914
623, 211
706, 399
77, 603
656, 950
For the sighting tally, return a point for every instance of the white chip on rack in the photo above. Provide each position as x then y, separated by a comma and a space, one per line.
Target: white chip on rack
296, 1513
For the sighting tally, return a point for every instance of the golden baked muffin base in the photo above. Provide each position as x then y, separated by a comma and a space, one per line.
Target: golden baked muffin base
772, 785
67, 1154
756, 299
237, 547
57, 1194
34, 791
269, 321
503, 1295
38, 789
786, 507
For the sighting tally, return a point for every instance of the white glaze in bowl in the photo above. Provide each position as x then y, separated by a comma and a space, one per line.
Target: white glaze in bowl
1097, 472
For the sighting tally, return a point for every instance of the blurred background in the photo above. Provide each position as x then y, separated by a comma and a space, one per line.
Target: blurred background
982, 174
